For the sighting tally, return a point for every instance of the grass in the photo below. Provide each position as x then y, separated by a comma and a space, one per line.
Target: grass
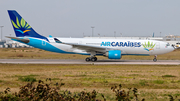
153, 82
143, 82
34, 53
158, 81
168, 76
28, 78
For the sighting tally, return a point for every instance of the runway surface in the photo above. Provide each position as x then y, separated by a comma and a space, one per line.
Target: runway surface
99, 62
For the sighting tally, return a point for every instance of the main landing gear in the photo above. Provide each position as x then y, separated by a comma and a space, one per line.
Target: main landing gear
155, 58
93, 59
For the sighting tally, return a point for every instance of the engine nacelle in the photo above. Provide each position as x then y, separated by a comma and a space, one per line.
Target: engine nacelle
113, 54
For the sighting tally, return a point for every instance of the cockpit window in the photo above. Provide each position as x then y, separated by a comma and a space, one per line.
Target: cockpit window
167, 44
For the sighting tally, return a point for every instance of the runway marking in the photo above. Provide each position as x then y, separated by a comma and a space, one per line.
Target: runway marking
99, 62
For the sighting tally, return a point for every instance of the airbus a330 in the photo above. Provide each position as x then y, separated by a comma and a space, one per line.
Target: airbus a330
111, 48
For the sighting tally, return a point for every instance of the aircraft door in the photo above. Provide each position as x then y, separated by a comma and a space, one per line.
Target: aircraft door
43, 43
157, 45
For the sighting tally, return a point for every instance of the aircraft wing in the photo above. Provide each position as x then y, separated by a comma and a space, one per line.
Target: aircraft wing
85, 47
89, 48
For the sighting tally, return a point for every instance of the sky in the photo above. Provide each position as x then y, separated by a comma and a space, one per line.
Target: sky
74, 18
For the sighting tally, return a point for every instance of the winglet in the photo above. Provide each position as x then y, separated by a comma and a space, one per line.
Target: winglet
50, 36
57, 41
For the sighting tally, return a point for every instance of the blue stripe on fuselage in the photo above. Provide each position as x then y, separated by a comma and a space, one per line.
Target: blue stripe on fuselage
43, 44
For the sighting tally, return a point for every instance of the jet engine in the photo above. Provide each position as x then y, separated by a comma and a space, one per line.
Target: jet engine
113, 54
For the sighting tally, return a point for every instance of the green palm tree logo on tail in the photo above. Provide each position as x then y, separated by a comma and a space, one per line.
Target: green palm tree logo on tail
148, 46
21, 26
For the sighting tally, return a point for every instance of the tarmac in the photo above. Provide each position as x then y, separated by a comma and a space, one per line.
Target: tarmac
99, 62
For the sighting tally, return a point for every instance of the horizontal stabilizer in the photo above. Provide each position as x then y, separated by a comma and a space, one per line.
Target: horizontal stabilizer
25, 40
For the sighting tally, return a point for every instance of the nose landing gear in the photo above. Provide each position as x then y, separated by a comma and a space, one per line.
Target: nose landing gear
93, 59
155, 58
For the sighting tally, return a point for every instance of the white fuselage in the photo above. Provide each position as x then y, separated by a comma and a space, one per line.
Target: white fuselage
127, 46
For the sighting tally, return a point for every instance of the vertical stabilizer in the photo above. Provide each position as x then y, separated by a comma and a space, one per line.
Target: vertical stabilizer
21, 27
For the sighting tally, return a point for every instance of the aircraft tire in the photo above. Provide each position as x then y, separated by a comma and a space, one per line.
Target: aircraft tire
154, 59
94, 59
88, 59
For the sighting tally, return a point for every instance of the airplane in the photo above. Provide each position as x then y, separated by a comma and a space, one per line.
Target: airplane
111, 48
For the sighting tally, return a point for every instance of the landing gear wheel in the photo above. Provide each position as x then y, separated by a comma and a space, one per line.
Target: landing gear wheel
155, 56
94, 59
154, 59
87, 59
